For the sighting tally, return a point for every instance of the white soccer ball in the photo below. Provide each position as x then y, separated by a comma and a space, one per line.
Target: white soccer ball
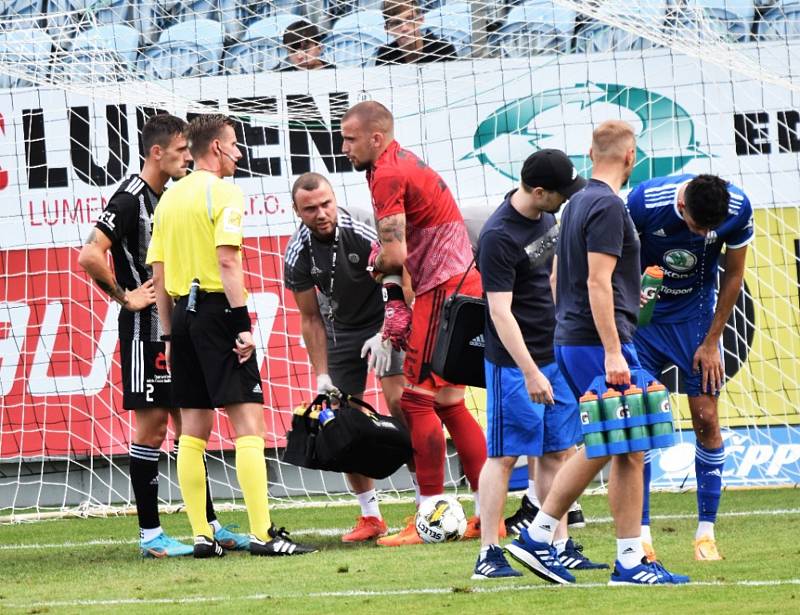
441, 519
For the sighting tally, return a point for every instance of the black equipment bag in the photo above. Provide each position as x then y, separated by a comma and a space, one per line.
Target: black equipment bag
362, 442
458, 352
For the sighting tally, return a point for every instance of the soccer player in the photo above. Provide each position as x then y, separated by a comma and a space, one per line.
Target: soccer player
683, 221
403, 22
597, 305
196, 257
530, 409
303, 42
124, 230
420, 228
341, 315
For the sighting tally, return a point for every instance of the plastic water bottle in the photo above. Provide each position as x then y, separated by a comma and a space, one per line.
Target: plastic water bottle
614, 408
326, 415
652, 281
634, 401
590, 413
661, 434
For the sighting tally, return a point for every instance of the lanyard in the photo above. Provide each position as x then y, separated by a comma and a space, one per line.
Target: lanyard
317, 271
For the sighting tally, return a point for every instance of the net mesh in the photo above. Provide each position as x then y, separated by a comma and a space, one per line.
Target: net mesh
710, 85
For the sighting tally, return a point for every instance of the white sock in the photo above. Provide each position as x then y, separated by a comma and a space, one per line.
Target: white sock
646, 535
148, 534
414, 482
369, 504
215, 525
425, 498
560, 545
531, 493
477, 504
629, 552
543, 527
576, 505
704, 528
484, 551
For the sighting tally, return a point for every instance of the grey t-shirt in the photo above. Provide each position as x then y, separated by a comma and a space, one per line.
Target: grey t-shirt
356, 301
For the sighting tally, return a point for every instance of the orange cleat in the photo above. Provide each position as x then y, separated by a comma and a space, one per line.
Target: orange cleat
407, 536
705, 549
366, 528
474, 528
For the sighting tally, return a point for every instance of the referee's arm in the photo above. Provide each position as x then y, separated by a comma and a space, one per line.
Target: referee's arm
229, 259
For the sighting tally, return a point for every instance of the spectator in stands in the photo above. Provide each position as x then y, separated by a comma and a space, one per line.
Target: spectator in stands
303, 42
403, 22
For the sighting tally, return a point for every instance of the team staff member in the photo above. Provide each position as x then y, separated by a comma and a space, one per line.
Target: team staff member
597, 305
197, 236
420, 228
683, 221
530, 409
341, 315
124, 230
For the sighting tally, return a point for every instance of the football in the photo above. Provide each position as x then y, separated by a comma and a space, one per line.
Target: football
441, 519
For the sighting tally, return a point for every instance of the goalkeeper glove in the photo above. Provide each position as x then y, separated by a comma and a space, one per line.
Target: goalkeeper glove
380, 354
397, 320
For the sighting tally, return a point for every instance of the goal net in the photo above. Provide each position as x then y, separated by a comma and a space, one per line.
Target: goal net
709, 85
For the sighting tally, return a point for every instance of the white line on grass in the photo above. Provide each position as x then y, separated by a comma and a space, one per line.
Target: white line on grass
339, 531
355, 593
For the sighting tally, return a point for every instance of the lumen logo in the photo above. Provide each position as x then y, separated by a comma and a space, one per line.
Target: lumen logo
665, 143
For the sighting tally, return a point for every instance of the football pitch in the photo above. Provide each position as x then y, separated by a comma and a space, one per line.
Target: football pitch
93, 566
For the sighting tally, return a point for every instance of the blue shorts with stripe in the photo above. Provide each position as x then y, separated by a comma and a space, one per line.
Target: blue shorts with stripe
517, 426
658, 345
582, 364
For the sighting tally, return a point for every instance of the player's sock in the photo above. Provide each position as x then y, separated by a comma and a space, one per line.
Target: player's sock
646, 535
543, 527
468, 438
251, 470
192, 480
560, 545
427, 438
215, 525
708, 464
146, 535
630, 551
144, 481
531, 493
416, 487
477, 500
211, 515
369, 504
705, 528
646, 492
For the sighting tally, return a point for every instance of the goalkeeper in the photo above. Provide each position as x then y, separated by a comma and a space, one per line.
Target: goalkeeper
682, 222
341, 315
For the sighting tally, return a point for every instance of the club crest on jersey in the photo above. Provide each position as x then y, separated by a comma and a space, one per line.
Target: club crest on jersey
680, 260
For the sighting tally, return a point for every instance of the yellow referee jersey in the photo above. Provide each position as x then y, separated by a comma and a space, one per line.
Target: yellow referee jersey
197, 214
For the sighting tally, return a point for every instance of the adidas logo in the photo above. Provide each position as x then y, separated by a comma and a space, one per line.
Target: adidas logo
478, 342
660, 233
257, 388
627, 551
546, 527
715, 472
154, 481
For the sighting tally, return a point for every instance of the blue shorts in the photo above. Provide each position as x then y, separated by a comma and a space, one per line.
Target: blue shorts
517, 426
658, 345
582, 364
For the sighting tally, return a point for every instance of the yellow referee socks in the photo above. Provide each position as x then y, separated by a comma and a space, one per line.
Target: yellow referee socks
251, 470
192, 479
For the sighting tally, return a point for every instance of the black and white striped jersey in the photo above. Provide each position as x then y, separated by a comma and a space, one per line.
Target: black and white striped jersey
357, 299
128, 222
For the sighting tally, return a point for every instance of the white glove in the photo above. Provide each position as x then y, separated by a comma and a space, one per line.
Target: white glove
380, 354
325, 385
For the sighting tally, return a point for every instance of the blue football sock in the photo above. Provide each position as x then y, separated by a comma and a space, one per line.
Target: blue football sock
646, 492
708, 464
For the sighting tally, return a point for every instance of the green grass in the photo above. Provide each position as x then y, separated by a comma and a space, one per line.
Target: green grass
759, 547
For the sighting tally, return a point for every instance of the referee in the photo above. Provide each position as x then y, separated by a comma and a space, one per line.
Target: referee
195, 252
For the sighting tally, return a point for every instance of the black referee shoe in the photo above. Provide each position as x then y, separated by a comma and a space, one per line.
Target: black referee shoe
280, 544
207, 547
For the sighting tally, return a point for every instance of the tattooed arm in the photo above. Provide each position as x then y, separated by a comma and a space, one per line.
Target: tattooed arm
392, 235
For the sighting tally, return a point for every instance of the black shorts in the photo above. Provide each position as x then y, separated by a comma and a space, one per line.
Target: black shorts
206, 373
145, 379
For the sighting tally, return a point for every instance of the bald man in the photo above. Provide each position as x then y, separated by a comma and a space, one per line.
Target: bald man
420, 228
597, 306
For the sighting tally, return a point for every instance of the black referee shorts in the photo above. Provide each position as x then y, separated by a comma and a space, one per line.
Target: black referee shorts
206, 373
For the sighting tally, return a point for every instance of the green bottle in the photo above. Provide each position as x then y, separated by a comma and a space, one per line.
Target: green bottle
614, 408
662, 434
652, 281
595, 442
638, 436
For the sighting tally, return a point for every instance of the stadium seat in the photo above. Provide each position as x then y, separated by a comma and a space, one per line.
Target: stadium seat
271, 27
597, 36
452, 23
9, 9
88, 12
538, 26
118, 38
28, 51
780, 22
355, 39
733, 19
188, 49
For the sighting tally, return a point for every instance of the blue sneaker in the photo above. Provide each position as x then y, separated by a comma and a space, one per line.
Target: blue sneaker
540, 558
572, 558
230, 540
164, 546
494, 566
646, 573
